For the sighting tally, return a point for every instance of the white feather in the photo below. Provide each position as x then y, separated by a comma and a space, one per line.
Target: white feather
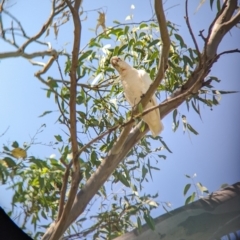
136, 83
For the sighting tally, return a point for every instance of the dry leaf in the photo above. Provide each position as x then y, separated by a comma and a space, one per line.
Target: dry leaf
101, 22
55, 28
19, 153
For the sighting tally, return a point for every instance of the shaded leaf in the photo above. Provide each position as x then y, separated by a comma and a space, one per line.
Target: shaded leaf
165, 145
45, 113
9, 162
58, 138
15, 144
187, 187
190, 199
192, 129
149, 220
139, 224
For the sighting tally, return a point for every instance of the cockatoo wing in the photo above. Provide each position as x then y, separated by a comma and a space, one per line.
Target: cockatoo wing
152, 119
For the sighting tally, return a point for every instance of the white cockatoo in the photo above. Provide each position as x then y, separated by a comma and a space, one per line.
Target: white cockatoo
135, 84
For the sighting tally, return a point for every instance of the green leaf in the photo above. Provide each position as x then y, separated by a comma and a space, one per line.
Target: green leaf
49, 92
175, 112
143, 25
117, 22
126, 29
165, 145
123, 180
187, 187
187, 60
15, 144
196, 109
6, 148
154, 42
139, 224
58, 138
218, 5
39, 163
211, 3
225, 92
149, 169
122, 48
149, 220
130, 162
190, 199
192, 129
180, 39
214, 79
52, 83
140, 108
85, 55
155, 168
94, 158
43, 215
45, 113
144, 172
41, 182
9, 162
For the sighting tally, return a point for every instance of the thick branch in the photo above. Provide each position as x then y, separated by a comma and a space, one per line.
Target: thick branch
208, 218
76, 175
222, 24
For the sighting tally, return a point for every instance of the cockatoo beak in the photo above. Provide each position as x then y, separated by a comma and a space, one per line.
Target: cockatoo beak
115, 63
115, 60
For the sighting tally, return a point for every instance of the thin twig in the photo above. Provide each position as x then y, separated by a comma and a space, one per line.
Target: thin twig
44, 28
191, 32
98, 138
76, 174
227, 52
4, 132
201, 35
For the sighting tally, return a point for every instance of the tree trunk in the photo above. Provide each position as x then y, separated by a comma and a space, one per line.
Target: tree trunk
206, 219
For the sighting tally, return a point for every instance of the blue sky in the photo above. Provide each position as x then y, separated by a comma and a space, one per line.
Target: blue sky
213, 155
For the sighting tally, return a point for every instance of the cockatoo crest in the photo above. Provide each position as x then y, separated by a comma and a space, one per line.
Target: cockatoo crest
135, 85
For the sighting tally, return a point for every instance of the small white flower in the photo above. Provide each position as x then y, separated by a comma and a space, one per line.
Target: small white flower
168, 204
52, 156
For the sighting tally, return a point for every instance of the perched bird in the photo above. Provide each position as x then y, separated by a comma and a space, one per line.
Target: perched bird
135, 84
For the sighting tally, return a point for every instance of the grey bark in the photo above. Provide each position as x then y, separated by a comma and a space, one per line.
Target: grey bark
206, 219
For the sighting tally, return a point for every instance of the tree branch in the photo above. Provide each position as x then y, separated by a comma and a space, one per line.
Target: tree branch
76, 174
191, 32
63, 191
50, 52
220, 27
